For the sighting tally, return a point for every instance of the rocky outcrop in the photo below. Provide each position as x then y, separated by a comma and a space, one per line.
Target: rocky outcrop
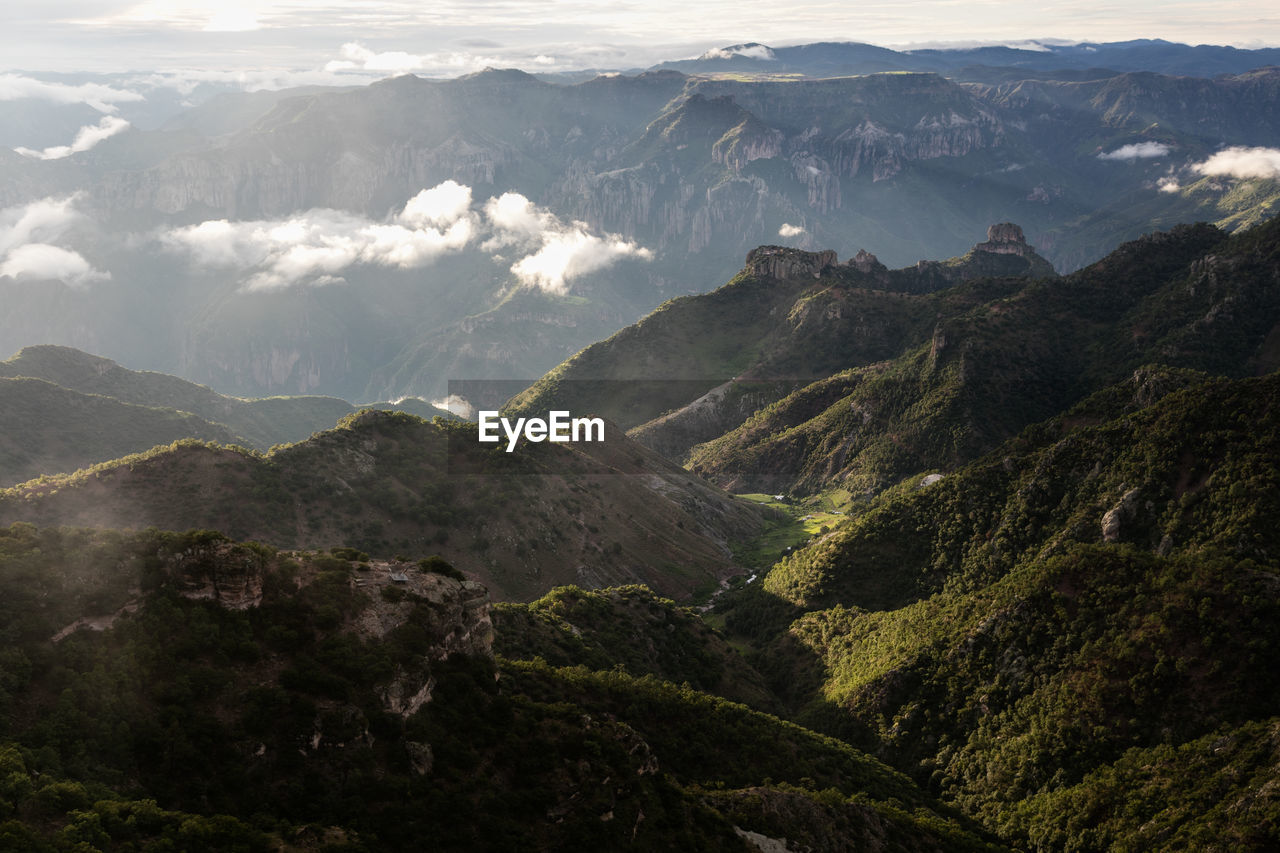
459, 622
821, 182
221, 571
1114, 520
783, 263
454, 613
865, 262
873, 273
1005, 253
1005, 238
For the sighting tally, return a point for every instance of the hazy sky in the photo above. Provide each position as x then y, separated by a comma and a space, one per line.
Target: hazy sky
458, 36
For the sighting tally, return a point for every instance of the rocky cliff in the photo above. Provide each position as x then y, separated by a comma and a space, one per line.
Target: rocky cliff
1005, 238
782, 263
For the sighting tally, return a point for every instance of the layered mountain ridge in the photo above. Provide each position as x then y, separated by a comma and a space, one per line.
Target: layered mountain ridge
693, 171
788, 318
393, 484
94, 410
1036, 613
1004, 575
855, 376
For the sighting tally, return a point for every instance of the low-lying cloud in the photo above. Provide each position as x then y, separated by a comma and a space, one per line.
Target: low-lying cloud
102, 98
567, 254
558, 252
27, 250
749, 51
789, 230
358, 58
316, 247
1241, 162
87, 137
1137, 151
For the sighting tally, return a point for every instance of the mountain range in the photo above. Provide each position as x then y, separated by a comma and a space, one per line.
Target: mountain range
1032, 612
1036, 615
96, 410
969, 554
556, 214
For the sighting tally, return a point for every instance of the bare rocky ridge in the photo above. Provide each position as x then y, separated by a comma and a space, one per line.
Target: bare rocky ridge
1005, 238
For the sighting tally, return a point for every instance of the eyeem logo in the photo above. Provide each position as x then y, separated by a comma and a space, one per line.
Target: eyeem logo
558, 426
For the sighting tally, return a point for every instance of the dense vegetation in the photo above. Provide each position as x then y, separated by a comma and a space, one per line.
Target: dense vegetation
178, 722
770, 331
1032, 602
92, 410
1096, 601
1190, 299
84, 429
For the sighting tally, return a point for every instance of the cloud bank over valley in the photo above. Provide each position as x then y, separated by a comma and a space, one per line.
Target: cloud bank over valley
28, 234
314, 248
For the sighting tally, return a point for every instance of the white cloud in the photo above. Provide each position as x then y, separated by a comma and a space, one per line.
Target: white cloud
1037, 45
42, 261
571, 253
355, 55
315, 247
516, 220
187, 80
440, 205
1137, 151
102, 98
26, 250
750, 51
360, 60
1241, 162
88, 136
36, 222
454, 405
789, 230
557, 252
1168, 185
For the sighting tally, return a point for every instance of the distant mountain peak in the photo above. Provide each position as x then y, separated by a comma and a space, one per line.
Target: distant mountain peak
750, 50
865, 262
41, 358
504, 76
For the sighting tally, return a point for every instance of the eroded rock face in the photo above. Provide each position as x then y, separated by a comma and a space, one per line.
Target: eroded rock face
1004, 238
456, 614
865, 262
1124, 510
783, 263
225, 572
